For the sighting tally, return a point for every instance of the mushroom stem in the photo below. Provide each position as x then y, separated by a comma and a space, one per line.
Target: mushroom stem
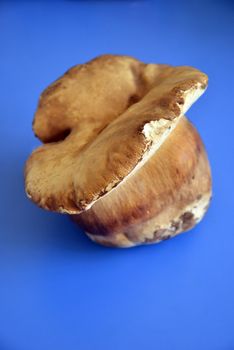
168, 195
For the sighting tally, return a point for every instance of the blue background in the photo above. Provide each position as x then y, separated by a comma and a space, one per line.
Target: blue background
58, 290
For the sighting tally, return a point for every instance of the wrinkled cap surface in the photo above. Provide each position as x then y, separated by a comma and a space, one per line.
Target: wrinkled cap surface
99, 123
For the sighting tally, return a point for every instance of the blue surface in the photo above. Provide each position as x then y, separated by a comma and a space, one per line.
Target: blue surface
60, 291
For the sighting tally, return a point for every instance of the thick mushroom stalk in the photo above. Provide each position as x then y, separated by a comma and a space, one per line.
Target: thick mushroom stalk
119, 154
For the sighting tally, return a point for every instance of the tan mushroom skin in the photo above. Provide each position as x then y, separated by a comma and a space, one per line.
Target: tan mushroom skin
119, 155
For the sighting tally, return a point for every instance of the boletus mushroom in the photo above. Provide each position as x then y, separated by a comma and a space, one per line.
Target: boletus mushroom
118, 153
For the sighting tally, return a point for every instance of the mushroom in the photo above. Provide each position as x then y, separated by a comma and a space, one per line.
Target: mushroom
118, 153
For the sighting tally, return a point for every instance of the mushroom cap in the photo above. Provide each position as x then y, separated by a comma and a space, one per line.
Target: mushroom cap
100, 122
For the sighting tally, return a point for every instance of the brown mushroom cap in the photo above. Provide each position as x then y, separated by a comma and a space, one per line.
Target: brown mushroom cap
100, 123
